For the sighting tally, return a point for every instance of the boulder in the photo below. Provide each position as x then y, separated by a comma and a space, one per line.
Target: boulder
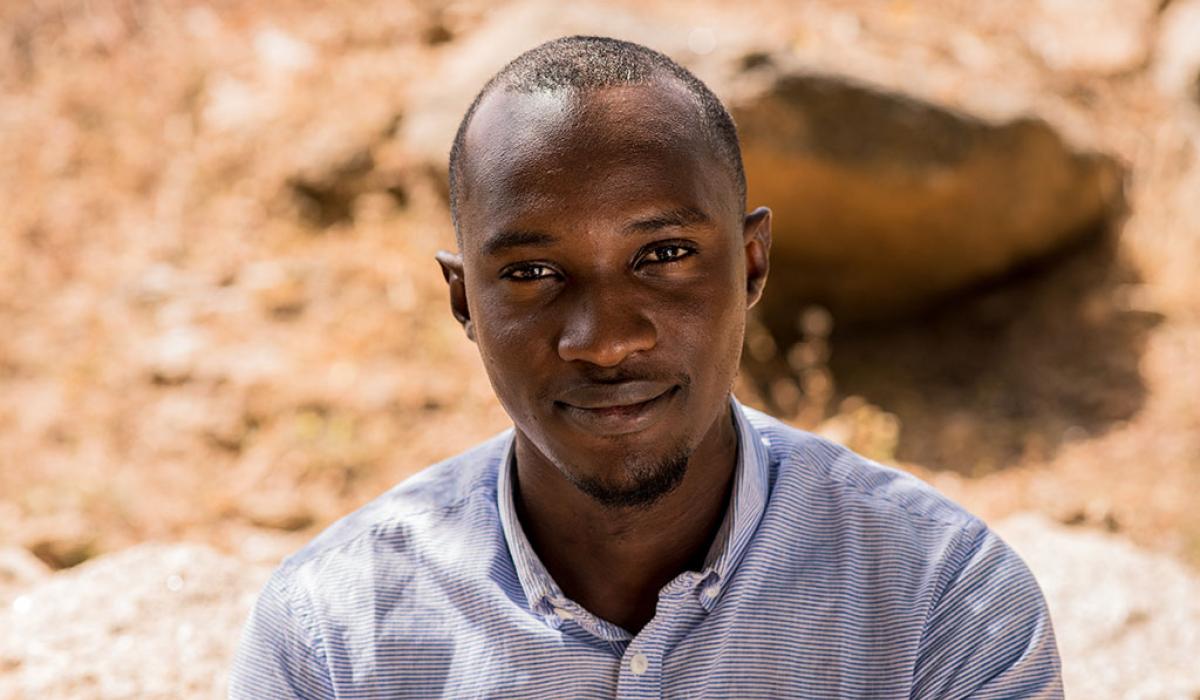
885, 204
19, 569
153, 621
1127, 620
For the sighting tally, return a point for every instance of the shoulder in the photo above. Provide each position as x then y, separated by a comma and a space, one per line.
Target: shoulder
810, 466
384, 561
914, 556
414, 517
850, 512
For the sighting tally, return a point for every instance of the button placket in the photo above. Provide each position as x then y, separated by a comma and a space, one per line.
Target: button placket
641, 673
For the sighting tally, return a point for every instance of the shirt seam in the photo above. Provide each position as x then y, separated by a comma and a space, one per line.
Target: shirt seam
955, 565
860, 492
374, 530
306, 622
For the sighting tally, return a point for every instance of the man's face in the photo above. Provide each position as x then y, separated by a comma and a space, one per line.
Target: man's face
605, 277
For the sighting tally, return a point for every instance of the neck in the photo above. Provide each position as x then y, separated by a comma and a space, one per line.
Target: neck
614, 561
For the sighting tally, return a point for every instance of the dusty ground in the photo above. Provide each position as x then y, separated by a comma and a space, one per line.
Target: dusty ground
220, 320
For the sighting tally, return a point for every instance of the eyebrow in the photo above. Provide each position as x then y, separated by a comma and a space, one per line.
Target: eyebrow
516, 238
681, 217
520, 238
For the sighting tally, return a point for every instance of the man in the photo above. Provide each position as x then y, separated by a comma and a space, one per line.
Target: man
638, 533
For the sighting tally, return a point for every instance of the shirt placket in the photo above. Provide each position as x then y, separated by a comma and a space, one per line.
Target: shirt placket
641, 674
641, 670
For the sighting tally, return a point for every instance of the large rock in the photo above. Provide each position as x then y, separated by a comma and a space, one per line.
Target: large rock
1127, 621
19, 569
154, 621
885, 204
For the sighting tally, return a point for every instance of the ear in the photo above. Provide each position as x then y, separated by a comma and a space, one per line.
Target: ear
756, 238
452, 270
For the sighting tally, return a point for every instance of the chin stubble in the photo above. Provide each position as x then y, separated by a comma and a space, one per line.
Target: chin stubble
646, 483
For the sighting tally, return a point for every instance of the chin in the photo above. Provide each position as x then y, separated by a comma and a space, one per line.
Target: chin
629, 479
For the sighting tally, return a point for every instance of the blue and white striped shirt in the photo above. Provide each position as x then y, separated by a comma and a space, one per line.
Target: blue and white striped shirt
831, 577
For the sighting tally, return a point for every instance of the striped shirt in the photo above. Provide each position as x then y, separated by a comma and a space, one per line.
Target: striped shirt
830, 577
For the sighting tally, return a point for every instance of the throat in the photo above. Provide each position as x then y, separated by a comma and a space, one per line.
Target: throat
619, 579
615, 561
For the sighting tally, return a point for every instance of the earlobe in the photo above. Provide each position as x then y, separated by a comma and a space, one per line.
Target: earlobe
452, 271
756, 238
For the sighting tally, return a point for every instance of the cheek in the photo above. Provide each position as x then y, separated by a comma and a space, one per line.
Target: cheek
497, 328
720, 347
708, 326
513, 348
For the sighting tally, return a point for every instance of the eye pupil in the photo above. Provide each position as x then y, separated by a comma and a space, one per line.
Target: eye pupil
668, 253
529, 272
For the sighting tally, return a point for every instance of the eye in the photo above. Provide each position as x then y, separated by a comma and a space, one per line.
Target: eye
528, 272
670, 252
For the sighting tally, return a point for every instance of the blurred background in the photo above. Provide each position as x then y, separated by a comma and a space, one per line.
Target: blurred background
221, 325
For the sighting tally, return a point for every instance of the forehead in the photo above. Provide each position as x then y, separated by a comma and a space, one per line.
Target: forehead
600, 154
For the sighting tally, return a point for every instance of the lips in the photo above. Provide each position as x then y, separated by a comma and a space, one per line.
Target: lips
618, 408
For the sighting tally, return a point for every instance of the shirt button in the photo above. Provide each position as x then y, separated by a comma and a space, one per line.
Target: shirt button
712, 591
564, 614
638, 664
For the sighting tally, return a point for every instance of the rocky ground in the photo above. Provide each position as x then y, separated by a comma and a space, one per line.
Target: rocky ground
222, 327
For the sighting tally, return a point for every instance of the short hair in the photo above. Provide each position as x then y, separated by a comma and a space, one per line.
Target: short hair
593, 62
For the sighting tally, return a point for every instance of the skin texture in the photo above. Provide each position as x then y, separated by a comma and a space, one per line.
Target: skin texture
605, 273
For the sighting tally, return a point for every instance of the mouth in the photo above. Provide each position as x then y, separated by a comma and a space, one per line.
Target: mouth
617, 409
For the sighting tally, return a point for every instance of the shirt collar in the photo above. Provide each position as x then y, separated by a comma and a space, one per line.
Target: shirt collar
746, 505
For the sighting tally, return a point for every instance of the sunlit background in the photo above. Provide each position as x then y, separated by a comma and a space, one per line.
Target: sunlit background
221, 325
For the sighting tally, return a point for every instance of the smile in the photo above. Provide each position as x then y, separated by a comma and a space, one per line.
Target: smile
617, 409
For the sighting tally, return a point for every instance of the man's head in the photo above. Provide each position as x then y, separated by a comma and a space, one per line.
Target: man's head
583, 63
606, 263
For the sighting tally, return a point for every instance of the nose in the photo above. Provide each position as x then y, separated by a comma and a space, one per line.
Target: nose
604, 328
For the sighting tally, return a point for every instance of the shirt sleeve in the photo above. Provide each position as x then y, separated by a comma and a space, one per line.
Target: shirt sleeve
279, 658
988, 634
